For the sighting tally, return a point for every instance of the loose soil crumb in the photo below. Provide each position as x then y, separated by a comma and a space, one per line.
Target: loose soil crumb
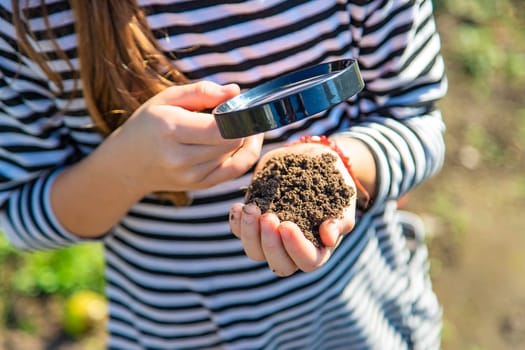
303, 189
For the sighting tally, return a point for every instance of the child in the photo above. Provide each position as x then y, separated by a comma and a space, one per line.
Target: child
103, 116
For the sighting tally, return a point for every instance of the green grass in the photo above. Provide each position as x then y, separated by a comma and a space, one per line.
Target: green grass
62, 271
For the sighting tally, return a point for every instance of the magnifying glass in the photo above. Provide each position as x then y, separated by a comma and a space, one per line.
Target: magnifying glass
288, 98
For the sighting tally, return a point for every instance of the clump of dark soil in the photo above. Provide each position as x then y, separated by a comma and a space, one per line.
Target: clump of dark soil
303, 189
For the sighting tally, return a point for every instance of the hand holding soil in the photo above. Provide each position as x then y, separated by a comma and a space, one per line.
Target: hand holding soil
299, 204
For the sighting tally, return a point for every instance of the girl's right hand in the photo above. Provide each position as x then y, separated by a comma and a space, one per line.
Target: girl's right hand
168, 144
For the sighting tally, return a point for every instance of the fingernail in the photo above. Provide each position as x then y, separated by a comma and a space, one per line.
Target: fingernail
231, 86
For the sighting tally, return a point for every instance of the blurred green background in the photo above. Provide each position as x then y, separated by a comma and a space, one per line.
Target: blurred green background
472, 210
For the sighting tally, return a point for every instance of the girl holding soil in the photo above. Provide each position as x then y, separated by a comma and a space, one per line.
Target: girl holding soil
103, 117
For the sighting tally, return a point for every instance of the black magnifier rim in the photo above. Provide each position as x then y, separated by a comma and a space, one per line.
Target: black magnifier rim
289, 98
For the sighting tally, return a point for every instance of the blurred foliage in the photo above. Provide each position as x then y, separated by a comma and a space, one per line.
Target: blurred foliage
83, 311
455, 220
521, 127
488, 146
62, 271
478, 11
483, 48
60, 275
477, 200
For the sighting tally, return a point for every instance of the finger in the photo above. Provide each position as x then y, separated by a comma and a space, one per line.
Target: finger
239, 163
348, 222
273, 248
235, 219
304, 254
198, 154
192, 128
250, 232
245, 156
196, 96
332, 230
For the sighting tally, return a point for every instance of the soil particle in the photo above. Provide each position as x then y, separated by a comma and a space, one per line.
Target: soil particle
303, 189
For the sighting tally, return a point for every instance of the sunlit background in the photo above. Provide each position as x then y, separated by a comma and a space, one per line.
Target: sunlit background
474, 210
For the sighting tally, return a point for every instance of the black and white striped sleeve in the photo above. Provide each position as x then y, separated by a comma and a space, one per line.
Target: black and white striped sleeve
398, 50
33, 147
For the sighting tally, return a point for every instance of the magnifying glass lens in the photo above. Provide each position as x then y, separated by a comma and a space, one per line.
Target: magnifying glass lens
289, 98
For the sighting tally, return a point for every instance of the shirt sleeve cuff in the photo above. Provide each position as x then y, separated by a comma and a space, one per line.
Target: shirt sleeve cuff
384, 175
29, 221
60, 233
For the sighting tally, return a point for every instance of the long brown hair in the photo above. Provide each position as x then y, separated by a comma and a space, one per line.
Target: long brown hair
121, 64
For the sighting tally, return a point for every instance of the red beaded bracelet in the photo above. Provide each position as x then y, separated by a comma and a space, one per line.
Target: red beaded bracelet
324, 140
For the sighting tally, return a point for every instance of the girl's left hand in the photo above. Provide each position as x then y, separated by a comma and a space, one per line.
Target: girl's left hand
282, 244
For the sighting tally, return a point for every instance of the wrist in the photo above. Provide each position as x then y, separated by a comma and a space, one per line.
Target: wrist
89, 197
363, 162
122, 165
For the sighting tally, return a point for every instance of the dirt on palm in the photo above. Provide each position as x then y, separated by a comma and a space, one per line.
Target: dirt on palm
303, 189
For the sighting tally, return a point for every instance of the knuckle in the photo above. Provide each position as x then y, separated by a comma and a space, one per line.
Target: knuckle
204, 87
174, 162
206, 180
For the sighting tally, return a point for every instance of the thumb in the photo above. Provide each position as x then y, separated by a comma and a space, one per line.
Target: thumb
196, 96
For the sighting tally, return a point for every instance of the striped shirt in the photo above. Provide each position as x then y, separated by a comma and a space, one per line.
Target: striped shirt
176, 277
